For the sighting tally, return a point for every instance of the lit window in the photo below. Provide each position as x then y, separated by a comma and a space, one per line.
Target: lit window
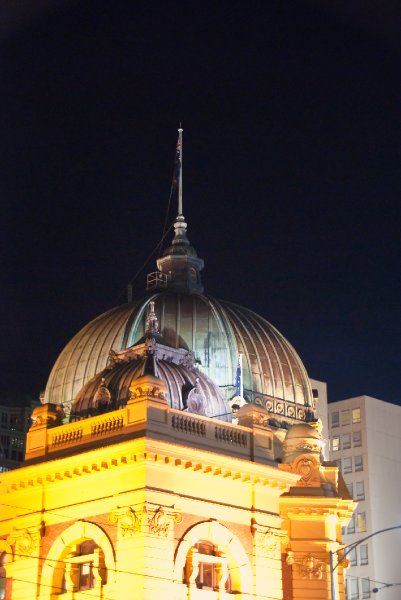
335, 421
346, 441
345, 417
358, 461
351, 525
207, 568
361, 522
347, 465
365, 584
350, 487
352, 557
363, 554
335, 443
360, 490
356, 415
357, 439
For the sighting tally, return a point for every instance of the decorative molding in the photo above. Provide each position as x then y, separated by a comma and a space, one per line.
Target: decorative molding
268, 540
155, 521
309, 567
25, 541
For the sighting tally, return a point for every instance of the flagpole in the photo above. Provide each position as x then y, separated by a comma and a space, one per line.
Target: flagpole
180, 176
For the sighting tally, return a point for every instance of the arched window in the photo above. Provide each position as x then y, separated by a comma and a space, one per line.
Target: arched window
207, 568
84, 567
3, 575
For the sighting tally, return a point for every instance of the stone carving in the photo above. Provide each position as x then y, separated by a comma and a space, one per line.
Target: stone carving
269, 540
47, 415
156, 521
25, 541
196, 401
188, 360
309, 566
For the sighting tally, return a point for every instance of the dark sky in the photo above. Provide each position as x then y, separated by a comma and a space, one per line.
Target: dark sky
292, 137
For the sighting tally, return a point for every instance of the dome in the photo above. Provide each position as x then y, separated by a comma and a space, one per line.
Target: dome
217, 332
181, 382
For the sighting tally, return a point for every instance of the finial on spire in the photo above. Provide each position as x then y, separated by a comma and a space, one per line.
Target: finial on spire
179, 164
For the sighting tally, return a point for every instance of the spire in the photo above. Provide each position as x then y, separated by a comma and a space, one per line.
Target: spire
179, 267
179, 160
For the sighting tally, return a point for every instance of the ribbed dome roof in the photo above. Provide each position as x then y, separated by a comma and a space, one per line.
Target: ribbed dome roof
179, 380
216, 331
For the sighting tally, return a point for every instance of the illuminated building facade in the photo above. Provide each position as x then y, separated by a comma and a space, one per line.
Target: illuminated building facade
157, 468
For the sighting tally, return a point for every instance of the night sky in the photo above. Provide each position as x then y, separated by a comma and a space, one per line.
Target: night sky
292, 171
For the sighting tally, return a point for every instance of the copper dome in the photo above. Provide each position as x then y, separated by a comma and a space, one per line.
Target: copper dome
216, 331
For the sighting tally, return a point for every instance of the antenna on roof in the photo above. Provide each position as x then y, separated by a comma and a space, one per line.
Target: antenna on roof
179, 165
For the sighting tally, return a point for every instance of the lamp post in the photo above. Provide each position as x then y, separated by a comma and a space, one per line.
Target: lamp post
349, 549
383, 585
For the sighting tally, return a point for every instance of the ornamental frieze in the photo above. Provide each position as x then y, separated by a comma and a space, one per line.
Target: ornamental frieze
155, 521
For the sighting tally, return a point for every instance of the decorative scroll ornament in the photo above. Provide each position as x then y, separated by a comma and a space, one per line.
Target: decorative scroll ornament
268, 540
309, 566
156, 521
25, 541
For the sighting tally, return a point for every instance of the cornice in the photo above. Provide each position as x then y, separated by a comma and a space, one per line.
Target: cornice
146, 451
315, 506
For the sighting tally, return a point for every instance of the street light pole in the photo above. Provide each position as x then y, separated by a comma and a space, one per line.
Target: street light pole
349, 549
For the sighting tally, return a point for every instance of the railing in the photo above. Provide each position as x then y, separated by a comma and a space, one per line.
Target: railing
186, 428
186, 424
74, 433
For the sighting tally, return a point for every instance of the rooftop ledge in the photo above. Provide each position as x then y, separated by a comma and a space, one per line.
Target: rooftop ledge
148, 415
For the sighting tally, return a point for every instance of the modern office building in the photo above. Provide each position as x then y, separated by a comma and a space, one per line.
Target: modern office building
365, 441
15, 420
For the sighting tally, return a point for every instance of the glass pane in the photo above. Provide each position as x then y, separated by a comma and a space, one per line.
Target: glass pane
346, 441
361, 520
347, 464
356, 415
345, 417
363, 554
206, 576
360, 490
85, 576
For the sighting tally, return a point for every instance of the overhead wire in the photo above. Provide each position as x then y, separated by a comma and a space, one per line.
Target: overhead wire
165, 231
